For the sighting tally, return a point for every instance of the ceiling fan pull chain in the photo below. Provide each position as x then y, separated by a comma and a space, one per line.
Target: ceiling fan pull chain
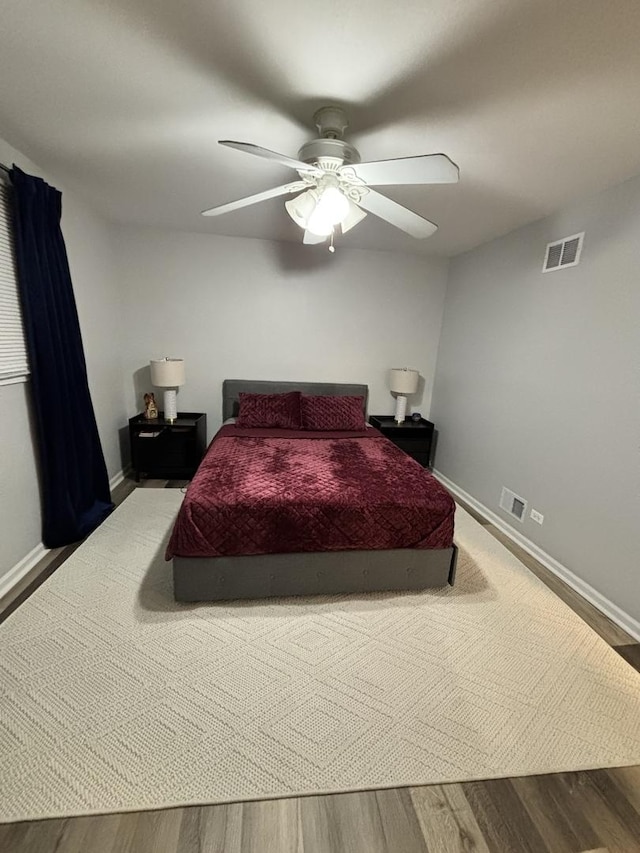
332, 248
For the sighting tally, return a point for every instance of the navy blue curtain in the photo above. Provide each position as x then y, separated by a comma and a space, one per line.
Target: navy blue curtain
74, 482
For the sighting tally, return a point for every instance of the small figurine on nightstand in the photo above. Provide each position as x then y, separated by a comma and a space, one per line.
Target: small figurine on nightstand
150, 408
416, 417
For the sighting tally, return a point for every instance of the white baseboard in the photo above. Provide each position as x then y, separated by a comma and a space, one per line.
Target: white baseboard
24, 566
118, 478
592, 595
17, 572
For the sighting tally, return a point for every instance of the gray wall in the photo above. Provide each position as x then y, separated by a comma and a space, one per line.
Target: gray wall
90, 252
255, 309
537, 387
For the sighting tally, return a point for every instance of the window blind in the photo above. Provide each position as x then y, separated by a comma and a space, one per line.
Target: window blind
14, 364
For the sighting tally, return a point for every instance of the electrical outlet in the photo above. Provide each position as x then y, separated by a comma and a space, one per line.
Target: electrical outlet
537, 516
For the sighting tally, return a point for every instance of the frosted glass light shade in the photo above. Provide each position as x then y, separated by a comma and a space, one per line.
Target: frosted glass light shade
331, 209
167, 372
402, 380
301, 207
319, 224
355, 215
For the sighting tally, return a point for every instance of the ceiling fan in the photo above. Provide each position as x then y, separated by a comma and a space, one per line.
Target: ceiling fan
334, 188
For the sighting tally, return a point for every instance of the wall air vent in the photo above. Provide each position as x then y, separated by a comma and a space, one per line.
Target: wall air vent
563, 253
513, 504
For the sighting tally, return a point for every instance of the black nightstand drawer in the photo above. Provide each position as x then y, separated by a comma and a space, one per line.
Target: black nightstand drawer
408, 436
422, 458
412, 445
176, 450
162, 448
414, 438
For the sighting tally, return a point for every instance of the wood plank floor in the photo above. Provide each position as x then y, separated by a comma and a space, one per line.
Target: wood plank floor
596, 811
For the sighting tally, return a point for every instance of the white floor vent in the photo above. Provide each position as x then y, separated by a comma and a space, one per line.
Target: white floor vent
563, 253
513, 504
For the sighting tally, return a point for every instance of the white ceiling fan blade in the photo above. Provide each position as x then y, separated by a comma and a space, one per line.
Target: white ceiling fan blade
254, 199
425, 169
396, 214
249, 148
310, 239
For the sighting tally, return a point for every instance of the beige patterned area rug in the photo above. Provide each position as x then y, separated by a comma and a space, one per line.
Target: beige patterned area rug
114, 698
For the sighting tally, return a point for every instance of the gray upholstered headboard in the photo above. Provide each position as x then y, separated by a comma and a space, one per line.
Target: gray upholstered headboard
231, 388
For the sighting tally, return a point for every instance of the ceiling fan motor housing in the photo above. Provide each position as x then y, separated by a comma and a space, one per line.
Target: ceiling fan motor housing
329, 149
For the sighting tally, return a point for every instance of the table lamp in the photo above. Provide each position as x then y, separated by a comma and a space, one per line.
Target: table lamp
168, 373
402, 381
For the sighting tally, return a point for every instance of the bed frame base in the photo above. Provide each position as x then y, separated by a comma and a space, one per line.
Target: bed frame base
326, 573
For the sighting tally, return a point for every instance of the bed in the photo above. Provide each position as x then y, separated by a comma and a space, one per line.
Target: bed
289, 512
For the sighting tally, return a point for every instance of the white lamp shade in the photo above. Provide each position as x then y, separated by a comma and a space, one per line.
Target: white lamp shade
167, 372
402, 380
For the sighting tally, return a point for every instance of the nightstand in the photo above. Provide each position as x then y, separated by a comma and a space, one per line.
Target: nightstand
171, 449
413, 437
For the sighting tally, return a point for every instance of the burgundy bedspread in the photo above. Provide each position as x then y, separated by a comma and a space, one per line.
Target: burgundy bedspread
279, 491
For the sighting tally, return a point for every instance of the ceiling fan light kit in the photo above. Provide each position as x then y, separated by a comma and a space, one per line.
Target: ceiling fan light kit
320, 210
334, 187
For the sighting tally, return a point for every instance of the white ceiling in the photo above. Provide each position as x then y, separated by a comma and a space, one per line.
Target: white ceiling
538, 101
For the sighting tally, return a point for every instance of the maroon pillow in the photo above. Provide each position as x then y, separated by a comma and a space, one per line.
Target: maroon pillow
333, 413
267, 411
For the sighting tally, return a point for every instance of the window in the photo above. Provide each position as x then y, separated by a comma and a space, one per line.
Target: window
14, 365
